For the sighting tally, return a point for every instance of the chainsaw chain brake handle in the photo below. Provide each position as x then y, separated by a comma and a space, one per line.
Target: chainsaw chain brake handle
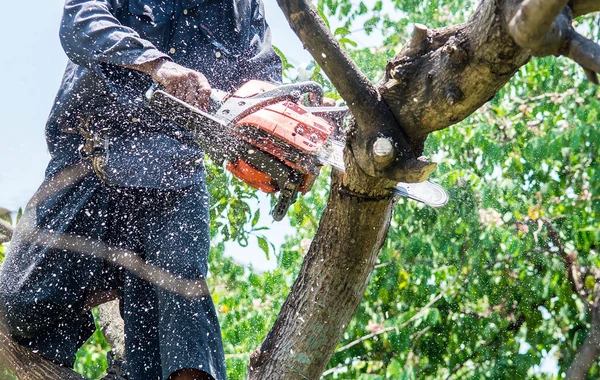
234, 109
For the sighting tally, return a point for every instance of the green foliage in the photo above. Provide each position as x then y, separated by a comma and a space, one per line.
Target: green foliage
247, 304
231, 214
6, 374
91, 358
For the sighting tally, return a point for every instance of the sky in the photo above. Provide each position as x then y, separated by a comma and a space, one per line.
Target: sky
31, 69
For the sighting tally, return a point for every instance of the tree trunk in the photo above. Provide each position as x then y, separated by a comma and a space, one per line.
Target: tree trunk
329, 288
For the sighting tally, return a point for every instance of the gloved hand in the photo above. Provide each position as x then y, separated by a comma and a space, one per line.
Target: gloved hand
188, 85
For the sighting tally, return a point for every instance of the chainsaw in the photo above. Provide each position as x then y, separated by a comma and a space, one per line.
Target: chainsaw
270, 141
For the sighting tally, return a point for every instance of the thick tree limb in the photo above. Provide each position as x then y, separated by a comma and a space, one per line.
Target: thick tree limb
453, 72
373, 117
29, 366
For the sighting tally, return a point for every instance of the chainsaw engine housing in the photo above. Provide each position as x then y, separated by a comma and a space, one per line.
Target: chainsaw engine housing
286, 131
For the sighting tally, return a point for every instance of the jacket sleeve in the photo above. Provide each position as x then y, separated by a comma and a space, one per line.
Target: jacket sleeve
90, 34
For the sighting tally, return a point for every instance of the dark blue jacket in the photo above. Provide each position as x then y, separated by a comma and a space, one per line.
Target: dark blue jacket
226, 40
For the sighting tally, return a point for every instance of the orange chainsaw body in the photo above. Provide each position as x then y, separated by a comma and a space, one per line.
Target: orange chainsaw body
285, 130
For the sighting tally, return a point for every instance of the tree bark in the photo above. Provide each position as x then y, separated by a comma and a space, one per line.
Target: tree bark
453, 71
329, 288
112, 326
29, 366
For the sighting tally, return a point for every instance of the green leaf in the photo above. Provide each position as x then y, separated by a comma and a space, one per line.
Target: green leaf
264, 245
341, 31
362, 8
324, 17
346, 41
256, 218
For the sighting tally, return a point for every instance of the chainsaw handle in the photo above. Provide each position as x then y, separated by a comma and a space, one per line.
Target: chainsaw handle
295, 90
215, 100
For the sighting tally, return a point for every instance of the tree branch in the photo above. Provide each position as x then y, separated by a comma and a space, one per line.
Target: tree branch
545, 28
454, 72
533, 20
569, 260
588, 351
586, 53
29, 366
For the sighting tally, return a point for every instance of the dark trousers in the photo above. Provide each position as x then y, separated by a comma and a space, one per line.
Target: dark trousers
57, 260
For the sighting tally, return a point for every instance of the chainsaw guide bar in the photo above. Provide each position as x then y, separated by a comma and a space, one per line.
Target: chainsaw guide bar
270, 141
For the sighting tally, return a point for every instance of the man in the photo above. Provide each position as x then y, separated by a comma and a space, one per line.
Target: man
146, 193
